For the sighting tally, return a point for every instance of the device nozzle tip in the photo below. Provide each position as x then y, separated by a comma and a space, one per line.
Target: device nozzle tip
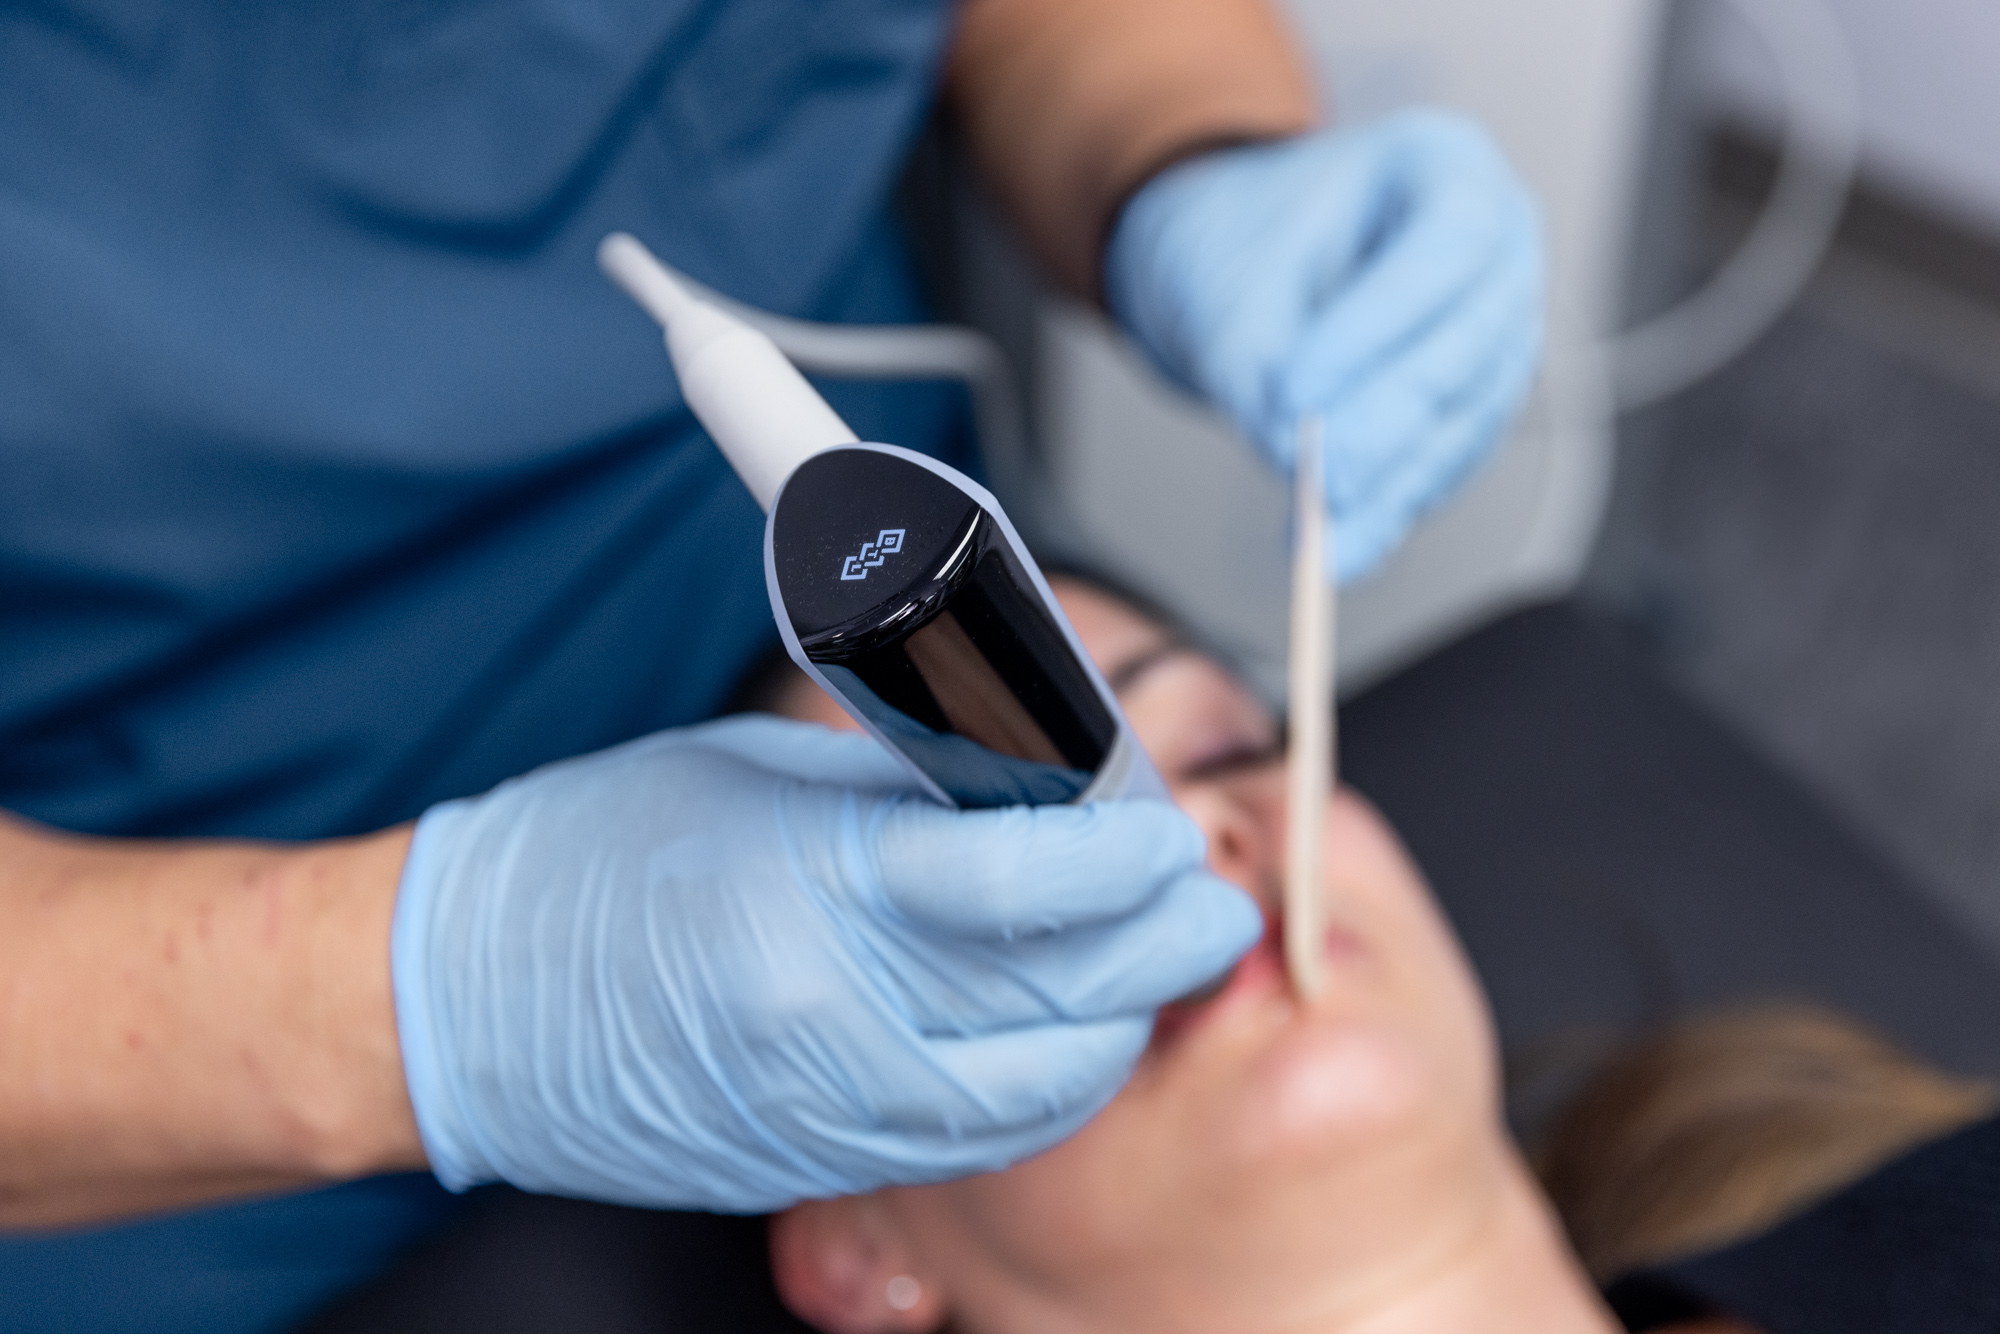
647, 281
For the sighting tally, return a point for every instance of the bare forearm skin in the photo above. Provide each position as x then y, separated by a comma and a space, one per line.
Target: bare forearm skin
1070, 105
187, 1021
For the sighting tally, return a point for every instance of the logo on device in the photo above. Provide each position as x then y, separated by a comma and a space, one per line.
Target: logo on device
887, 543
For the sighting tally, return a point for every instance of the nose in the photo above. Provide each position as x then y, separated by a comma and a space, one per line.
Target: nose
1240, 848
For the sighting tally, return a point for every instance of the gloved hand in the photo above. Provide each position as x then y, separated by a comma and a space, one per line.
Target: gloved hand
733, 966
1388, 278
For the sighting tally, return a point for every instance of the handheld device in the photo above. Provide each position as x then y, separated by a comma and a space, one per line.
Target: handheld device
897, 582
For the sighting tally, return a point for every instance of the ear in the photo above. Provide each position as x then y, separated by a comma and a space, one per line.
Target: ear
834, 1262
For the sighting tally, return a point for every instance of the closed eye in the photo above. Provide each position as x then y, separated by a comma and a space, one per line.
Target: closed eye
1235, 760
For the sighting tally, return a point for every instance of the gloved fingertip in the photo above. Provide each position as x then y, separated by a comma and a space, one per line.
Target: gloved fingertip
1167, 822
1222, 924
1234, 922
1361, 546
1215, 923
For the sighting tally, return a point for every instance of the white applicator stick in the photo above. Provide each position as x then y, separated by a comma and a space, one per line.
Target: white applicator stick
764, 416
1309, 751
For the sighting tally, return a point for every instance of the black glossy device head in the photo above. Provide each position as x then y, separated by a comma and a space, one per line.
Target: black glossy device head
913, 603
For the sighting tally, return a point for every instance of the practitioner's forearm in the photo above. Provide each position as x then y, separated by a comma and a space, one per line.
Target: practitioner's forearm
1070, 105
182, 1021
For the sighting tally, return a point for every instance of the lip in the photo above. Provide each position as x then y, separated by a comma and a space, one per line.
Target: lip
1257, 976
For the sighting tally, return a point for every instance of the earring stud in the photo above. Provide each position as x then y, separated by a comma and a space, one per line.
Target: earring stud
903, 1292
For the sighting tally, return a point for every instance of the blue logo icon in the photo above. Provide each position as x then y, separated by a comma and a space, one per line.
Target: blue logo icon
887, 543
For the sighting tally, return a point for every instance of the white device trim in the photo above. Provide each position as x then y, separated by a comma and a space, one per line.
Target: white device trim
1126, 770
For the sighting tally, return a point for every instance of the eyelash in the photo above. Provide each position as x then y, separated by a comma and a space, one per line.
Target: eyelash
1235, 760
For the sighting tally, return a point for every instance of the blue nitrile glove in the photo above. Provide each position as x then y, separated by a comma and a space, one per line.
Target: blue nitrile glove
733, 966
1388, 278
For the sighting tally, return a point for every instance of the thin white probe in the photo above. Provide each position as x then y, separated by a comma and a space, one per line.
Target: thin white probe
1310, 756
753, 402
647, 281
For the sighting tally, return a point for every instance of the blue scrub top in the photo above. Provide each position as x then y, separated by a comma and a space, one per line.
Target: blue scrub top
337, 482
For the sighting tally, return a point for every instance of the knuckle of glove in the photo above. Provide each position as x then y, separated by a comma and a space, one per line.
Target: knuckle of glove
1026, 871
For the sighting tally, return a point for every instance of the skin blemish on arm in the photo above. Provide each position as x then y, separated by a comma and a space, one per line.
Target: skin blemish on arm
259, 880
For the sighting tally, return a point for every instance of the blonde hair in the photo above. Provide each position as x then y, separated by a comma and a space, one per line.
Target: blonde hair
1725, 1125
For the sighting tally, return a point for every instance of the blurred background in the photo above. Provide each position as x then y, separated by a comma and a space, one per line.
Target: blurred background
1811, 538
1767, 437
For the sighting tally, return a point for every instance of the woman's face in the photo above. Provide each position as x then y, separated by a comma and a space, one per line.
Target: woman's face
1269, 1162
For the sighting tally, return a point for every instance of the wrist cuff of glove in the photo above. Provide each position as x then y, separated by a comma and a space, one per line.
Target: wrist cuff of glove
423, 1004
1129, 287
1187, 150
